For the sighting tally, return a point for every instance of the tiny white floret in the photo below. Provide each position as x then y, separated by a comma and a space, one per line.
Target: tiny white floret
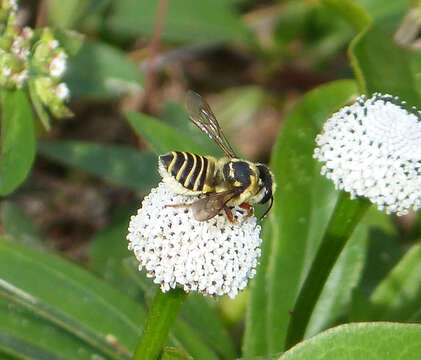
53, 44
6, 71
214, 257
62, 91
27, 33
372, 148
58, 64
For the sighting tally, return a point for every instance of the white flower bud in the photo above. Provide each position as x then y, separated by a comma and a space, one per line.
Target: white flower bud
58, 64
53, 44
214, 257
373, 149
62, 91
6, 71
27, 33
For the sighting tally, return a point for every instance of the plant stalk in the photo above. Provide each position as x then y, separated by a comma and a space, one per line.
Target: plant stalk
345, 218
163, 312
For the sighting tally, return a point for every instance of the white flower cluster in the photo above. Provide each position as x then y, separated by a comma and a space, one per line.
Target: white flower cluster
373, 149
214, 257
37, 60
15, 48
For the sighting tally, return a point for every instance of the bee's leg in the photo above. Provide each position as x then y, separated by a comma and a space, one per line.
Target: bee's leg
247, 207
230, 216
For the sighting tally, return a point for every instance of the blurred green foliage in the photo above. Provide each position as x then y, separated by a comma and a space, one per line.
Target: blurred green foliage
248, 56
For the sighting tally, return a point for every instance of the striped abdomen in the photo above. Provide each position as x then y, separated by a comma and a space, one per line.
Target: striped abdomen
193, 172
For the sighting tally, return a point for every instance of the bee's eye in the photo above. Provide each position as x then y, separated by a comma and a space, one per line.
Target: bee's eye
266, 178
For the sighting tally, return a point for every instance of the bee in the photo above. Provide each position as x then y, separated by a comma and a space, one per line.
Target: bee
223, 183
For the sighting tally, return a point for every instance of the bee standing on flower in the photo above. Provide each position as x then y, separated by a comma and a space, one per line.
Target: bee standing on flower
228, 181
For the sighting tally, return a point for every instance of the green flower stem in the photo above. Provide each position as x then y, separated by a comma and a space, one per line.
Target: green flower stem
345, 218
162, 314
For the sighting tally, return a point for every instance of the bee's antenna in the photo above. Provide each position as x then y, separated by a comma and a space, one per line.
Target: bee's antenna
268, 209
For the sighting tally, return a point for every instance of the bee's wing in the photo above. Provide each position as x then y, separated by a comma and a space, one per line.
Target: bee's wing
202, 116
209, 206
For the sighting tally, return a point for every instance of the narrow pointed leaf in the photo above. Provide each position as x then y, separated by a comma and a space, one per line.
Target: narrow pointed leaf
117, 164
162, 137
398, 296
336, 296
26, 328
23, 350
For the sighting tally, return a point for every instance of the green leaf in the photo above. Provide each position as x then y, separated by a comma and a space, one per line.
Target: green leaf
384, 250
359, 309
70, 298
352, 12
184, 20
30, 332
119, 165
345, 217
101, 71
380, 65
65, 13
303, 204
387, 14
17, 140
369, 341
197, 311
39, 108
336, 297
21, 349
17, 225
162, 137
108, 252
398, 296
71, 41
191, 341
236, 107
176, 116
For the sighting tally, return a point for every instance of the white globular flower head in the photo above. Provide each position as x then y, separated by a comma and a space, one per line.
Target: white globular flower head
372, 148
214, 257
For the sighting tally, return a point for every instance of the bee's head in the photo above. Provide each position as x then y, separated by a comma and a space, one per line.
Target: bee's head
268, 187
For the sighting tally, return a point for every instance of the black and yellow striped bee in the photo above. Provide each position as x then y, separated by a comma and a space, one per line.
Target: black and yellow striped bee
224, 182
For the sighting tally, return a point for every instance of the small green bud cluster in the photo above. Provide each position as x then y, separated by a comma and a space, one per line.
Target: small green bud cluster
15, 45
48, 63
37, 59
